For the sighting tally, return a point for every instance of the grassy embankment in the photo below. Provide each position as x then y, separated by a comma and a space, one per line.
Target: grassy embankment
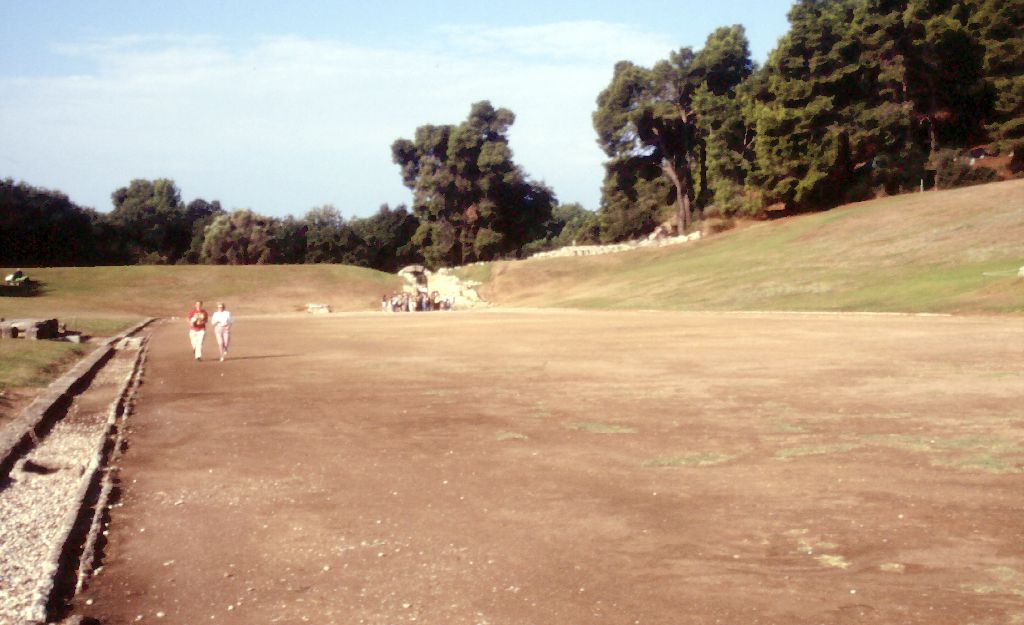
952, 251
101, 301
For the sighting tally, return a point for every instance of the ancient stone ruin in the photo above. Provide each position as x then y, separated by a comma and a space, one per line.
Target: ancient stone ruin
462, 293
34, 329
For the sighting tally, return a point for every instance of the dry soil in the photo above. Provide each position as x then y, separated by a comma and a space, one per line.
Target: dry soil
566, 468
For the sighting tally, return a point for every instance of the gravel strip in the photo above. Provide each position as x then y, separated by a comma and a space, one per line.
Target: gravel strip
40, 499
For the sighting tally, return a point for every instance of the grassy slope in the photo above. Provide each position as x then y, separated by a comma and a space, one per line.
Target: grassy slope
36, 363
948, 251
88, 292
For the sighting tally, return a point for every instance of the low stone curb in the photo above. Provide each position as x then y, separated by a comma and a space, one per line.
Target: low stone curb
114, 436
22, 433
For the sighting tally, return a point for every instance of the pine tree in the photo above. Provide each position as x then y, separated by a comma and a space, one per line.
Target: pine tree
999, 27
473, 202
803, 141
726, 130
944, 73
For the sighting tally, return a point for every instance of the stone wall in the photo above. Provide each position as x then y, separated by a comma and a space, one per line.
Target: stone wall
657, 239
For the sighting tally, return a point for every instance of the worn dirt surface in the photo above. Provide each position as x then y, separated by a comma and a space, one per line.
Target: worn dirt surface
562, 468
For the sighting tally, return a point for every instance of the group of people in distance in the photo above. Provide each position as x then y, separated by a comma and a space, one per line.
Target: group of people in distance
198, 319
419, 302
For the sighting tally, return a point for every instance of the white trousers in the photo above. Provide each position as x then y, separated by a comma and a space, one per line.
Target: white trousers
197, 336
223, 334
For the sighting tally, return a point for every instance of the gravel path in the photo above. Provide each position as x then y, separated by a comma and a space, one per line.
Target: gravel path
43, 492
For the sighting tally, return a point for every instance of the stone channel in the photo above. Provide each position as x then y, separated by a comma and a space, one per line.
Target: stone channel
53, 481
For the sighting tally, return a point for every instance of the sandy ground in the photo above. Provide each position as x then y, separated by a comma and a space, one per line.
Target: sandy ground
560, 468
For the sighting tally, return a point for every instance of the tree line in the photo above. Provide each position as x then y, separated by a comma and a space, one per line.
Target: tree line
150, 224
859, 98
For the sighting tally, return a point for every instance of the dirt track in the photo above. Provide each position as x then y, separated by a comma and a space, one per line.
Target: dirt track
557, 468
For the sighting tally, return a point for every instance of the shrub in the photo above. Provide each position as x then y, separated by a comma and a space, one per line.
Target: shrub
951, 171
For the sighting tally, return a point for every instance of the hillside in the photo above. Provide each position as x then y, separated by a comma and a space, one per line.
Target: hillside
944, 251
149, 290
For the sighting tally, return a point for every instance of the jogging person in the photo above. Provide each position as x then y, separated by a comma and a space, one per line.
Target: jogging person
222, 321
197, 318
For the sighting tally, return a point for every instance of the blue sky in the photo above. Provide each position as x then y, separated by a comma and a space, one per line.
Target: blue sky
283, 107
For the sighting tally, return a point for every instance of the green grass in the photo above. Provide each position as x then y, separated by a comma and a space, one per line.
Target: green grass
814, 450
511, 436
985, 462
833, 560
987, 453
941, 252
1004, 581
36, 363
159, 291
696, 459
99, 326
603, 428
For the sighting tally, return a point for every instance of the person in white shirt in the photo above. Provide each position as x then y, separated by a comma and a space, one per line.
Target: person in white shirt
222, 328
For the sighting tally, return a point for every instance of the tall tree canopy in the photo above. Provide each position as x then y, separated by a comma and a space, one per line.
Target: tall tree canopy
472, 201
42, 227
152, 219
387, 237
647, 123
803, 140
240, 237
330, 239
999, 28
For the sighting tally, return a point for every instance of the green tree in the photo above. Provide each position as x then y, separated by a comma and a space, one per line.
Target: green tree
388, 237
471, 199
803, 149
645, 123
648, 124
152, 220
998, 25
883, 130
330, 240
944, 72
199, 213
564, 228
723, 103
290, 241
634, 200
42, 227
240, 237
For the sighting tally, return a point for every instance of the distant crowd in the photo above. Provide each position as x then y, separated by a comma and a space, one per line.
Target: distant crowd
419, 302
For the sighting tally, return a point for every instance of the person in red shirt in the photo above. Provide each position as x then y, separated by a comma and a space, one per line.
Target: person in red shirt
197, 318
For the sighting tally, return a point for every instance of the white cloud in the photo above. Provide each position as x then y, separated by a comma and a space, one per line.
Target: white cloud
573, 42
284, 124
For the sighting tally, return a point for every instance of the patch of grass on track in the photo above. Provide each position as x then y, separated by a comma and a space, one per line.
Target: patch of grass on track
511, 436
989, 463
1004, 581
696, 459
814, 450
603, 428
988, 453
